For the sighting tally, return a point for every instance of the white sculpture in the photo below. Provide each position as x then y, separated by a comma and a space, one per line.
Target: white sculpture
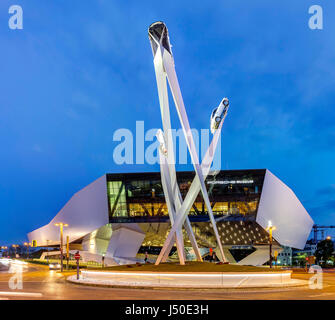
178, 209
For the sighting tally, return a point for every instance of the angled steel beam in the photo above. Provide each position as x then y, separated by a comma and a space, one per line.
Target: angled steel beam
166, 182
168, 64
191, 196
162, 52
169, 196
165, 113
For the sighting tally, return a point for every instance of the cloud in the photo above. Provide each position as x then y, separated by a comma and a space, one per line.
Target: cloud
324, 209
326, 191
322, 204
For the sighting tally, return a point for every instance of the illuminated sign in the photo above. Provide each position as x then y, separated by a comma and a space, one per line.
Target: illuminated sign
231, 182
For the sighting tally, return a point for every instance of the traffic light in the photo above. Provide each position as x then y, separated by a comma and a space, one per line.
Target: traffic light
34, 243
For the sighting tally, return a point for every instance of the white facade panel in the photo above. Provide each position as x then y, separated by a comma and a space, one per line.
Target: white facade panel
258, 257
280, 205
85, 212
97, 241
126, 240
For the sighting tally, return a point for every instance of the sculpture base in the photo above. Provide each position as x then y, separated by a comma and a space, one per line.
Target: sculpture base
217, 276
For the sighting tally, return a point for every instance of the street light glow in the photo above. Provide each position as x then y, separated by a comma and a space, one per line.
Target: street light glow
61, 225
270, 228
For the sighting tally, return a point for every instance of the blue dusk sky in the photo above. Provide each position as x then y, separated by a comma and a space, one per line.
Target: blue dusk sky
80, 70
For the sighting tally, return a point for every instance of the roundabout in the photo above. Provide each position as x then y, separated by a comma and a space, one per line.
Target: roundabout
191, 276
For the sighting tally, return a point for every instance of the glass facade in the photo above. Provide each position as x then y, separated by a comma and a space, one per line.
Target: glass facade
117, 198
234, 196
139, 196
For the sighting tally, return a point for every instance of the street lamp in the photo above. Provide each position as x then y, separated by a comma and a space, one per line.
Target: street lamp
61, 225
270, 228
15, 246
27, 244
48, 251
5, 248
329, 238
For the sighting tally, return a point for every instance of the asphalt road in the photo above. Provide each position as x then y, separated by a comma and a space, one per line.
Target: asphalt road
40, 283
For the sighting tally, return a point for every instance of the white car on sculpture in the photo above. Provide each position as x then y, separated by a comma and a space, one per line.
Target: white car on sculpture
161, 140
219, 114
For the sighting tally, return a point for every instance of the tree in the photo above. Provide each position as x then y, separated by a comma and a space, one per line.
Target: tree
324, 251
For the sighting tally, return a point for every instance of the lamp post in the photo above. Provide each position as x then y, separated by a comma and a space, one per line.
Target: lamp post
15, 246
27, 244
61, 225
270, 228
48, 251
5, 248
67, 252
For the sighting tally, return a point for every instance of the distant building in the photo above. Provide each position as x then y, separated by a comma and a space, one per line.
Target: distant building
285, 257
308, 250
299, 255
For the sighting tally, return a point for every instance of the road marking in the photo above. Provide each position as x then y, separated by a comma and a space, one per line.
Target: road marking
322, 294
22, 294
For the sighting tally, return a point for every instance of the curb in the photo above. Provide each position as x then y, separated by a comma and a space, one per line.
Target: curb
301, 283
